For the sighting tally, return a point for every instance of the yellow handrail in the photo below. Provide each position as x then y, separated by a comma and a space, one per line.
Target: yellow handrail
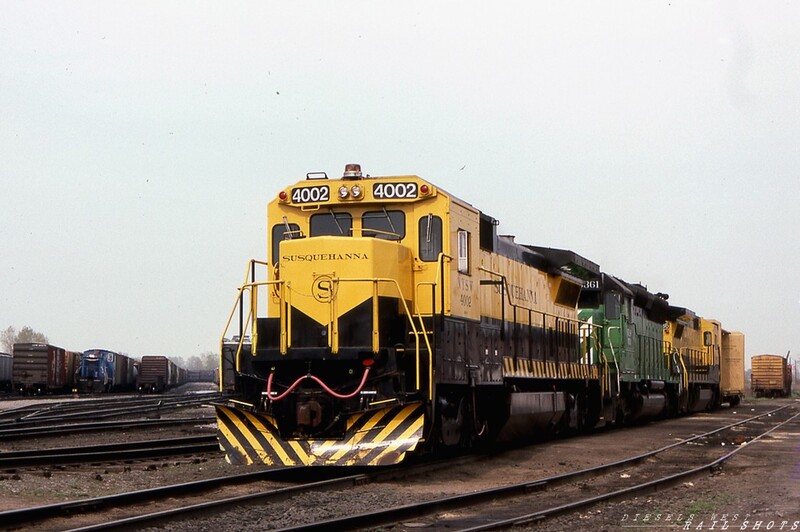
685, 373
540, 312
417, 333
439, 275
251, 288
284, 294
222, 341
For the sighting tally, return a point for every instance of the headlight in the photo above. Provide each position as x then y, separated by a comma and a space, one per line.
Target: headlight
343, 192
356, 191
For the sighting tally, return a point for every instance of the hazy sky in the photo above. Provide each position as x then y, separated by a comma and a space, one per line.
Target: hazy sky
141, 141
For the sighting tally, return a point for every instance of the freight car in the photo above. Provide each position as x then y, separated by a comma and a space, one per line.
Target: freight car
393, 318
771, 376
6, 360
732, 367
158, 373
42, 368
101, 370
202, 375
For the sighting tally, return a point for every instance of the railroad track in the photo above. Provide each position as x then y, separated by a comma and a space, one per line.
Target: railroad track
59, 413
395, 515
56, 419
36, 515
75, 428
61, 515
114, 452
477, 515
42, 406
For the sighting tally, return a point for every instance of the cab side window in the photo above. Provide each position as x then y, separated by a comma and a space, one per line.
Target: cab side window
279, 232
463, 251
430, 238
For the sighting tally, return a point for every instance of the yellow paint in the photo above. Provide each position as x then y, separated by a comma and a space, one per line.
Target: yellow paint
230, 437
274, 443
412, 429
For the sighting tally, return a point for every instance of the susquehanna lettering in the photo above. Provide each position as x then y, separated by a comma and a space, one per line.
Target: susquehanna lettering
314, 257
520, 293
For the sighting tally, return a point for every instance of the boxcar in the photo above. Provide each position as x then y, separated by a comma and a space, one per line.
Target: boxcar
154, 373
5, 372
157, 373
771, 377
42, 368
201, 375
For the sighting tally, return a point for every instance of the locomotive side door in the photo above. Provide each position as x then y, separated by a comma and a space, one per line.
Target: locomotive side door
484, 365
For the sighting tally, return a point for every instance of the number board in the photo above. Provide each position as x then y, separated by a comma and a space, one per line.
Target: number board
395, 191
311, 194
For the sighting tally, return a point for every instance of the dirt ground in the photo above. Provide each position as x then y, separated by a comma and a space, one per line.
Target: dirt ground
27, 487
758, 489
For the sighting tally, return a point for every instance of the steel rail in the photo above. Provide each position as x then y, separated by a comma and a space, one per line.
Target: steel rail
136, 522
13, 415
339, 478
645, 487
394, 514
60, 430
39, 513
160, 405
112, 452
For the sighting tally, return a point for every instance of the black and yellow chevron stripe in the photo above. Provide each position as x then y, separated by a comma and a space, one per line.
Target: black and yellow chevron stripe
549, 369
379, 437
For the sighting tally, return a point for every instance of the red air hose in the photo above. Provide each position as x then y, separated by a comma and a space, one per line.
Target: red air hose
319, 381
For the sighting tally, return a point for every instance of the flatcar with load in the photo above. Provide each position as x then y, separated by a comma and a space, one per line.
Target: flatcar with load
771, 376
390, 317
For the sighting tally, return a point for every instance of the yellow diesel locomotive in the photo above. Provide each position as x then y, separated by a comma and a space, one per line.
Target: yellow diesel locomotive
390, 317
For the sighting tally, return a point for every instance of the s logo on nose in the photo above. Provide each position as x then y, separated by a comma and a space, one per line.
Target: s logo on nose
322, 289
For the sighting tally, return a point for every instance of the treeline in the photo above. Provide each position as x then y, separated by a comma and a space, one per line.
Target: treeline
203, 361
11, 336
